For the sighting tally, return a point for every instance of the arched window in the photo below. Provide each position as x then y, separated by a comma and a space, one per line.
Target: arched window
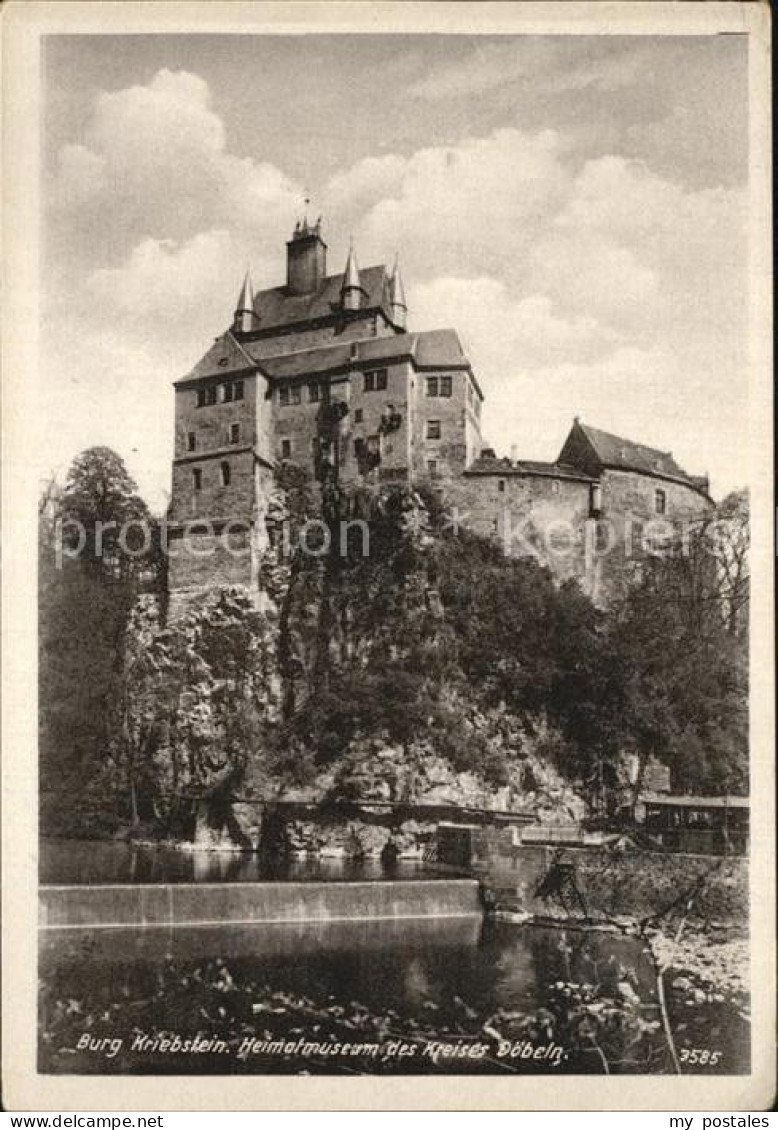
225, 469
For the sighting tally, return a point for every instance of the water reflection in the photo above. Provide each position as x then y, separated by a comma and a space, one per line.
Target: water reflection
96, 862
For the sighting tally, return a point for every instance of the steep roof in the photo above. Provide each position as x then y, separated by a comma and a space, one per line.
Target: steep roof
225, 356
491, 465
278, 306
593, 449
429, 349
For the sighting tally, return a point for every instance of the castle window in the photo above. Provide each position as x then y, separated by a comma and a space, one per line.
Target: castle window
660, 502
234, 433
595, 500
376, 381
225, 473
297, 394
286, 449
357, 415
197, 479
226, 393
432, 466
283, 396
201, 398
433, 429
432, 386
314, 392
238, 387
445, 386
210, 395
191, 441
501, 485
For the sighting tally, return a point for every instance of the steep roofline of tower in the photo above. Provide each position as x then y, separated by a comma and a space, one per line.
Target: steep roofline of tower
285, 329
633, 457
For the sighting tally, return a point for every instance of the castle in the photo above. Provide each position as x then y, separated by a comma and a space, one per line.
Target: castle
323, 373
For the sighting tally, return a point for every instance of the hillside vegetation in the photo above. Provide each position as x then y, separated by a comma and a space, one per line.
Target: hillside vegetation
431, 669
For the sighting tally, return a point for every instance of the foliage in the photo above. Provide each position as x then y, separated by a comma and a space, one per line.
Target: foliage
433, 643
86, 591
681, 637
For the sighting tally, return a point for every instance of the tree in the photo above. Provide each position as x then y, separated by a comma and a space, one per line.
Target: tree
686, 661
90, 574
104, 519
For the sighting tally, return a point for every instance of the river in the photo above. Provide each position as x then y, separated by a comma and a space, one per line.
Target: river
288, 997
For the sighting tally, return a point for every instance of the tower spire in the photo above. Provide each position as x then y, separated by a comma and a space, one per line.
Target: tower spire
397, 296
244, 311
351, 289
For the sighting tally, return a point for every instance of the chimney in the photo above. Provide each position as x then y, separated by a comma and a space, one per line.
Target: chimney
514, 450
306, 258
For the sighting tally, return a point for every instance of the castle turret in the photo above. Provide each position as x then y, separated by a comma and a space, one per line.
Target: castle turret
306, 258
351, 290
397, 297
245, 318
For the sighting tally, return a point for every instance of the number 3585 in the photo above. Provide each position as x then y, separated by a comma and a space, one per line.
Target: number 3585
701, 1056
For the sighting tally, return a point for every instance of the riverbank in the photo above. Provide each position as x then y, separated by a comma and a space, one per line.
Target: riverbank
459, 997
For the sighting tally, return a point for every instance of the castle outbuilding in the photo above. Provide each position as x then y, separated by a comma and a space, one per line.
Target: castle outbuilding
323, 373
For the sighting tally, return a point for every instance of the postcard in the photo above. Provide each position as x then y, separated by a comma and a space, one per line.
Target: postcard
388, 625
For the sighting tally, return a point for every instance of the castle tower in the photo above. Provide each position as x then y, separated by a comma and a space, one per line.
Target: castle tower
245, 318
397, 297
351, 291
306, 258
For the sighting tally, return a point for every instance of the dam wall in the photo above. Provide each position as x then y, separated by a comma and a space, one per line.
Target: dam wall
219, 904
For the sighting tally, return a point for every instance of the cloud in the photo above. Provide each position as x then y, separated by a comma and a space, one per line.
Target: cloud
545, 63
154, 162
473, 206
591, 285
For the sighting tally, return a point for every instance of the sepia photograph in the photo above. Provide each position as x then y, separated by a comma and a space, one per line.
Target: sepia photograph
396, 425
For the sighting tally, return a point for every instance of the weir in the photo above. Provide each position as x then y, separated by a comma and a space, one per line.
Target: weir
222, 904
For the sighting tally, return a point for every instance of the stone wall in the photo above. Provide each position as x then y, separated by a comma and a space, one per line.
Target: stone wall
450, 452
630, 527
298, 423
529, 514
549, 517
210, 424
614, 883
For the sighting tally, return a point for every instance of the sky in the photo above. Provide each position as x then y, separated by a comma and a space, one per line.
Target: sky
575, 206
